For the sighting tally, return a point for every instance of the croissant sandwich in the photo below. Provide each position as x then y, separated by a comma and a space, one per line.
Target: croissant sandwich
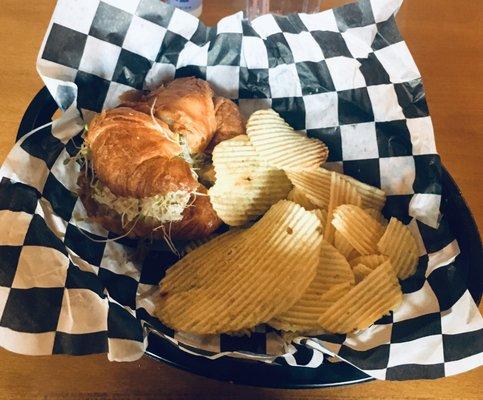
142, 174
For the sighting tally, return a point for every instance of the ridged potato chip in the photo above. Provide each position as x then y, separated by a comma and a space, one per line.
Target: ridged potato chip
358, 228
372, 197
370, 261
341, 192
377, 215
301, 199
344, 247
365, 303
237, 205
321, 215
195, 243
250, 281
334, 294
280, 146
360, 272
245, 187
303, 316
399, 245
333, 268
179, 279
315, 185
235, 158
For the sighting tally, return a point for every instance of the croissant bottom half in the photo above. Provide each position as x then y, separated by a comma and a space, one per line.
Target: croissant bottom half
198, 218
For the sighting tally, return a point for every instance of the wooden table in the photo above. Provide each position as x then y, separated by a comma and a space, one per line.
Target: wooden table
445, 38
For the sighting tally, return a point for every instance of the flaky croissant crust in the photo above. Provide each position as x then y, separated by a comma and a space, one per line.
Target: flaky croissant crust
199, 219
186, 106
135, 155
136, 152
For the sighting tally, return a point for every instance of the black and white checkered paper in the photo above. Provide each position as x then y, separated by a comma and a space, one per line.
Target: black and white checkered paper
343, 75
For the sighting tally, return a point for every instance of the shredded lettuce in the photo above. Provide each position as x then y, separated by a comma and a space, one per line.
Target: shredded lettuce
82, 156
166, 208
162, 208
85, 151
185, 155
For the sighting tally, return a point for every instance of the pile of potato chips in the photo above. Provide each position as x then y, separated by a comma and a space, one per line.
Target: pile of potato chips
321, 258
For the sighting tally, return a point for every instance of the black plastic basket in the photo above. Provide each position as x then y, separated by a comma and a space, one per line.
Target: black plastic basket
469, 264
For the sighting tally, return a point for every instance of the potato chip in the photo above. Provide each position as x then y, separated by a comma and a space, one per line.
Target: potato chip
248, 282
235, 158
280, 146
372, 197
344, 247
321, 215
315, 185
303, 316
245, 188
179, 279
365, 303
333, 269
400, 246
238, 205
360, 272
341, 192
370, 261
334, 294
301, 199
377, 215
358, 228
195, 243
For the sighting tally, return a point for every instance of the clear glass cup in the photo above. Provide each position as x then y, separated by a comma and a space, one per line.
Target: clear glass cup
254, 8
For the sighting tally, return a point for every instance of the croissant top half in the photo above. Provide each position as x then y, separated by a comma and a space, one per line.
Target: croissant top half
136, 155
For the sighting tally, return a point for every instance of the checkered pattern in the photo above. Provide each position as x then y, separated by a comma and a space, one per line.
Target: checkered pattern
343, 75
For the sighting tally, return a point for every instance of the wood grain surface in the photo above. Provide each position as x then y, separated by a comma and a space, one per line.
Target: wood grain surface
445, 38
